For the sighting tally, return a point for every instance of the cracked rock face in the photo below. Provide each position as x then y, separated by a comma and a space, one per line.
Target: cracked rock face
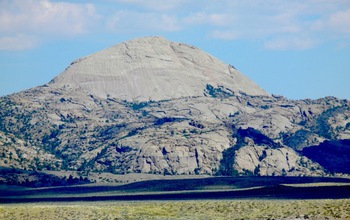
265, 161
152, 68
155, 106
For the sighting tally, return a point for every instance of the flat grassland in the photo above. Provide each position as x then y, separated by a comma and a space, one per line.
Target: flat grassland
193, 209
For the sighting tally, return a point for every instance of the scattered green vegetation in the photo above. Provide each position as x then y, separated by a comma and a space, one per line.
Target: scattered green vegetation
226, 167
226, 163
139, 105
201, 209
322, 126
347, 127
11, 176
296, 140
219, 92
161, 121
196, 124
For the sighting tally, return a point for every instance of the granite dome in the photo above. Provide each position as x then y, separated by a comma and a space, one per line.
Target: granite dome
153, 68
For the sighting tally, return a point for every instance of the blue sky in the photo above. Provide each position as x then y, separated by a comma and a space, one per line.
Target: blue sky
298, 49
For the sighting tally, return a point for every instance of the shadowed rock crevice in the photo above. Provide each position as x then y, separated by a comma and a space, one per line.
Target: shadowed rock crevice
334, 156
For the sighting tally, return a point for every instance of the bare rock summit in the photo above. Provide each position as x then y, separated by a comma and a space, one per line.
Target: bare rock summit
153, 68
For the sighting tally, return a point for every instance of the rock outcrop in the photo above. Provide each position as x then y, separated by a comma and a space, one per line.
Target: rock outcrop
153, 68
154, 106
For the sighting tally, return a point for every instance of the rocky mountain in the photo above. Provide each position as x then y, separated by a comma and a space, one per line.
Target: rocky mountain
154, 106
152, 69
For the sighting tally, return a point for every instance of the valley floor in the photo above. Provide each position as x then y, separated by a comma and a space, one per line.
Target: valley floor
193, 209
198, 198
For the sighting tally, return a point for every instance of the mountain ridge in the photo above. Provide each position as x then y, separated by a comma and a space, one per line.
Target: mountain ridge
222, 130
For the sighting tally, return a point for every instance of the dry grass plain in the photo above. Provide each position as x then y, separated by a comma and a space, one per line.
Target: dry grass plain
194, 209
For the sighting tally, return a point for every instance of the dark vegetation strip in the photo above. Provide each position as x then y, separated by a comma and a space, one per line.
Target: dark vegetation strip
172, 185
271, 192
